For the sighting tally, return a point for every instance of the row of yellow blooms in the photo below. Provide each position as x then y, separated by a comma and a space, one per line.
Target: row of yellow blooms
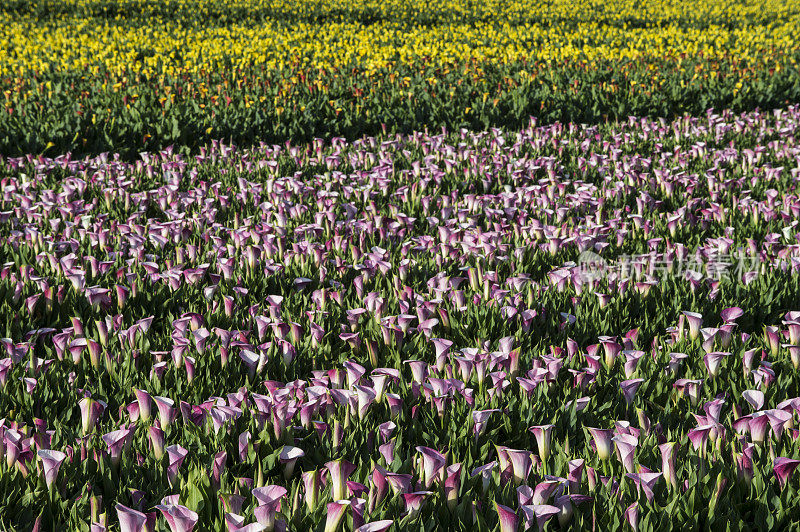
371, 34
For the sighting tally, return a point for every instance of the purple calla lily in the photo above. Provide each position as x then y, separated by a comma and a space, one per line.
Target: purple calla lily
288, 457
695, 322
432, 463
51, 461
413, 502
626, 450
629, 389
713, 361
156, 436
176, 455
632, 516
541, 513
521, 464
452, 485
645, 482
312, 482
376, 526
117, 441
399, 482
668, 463
179, 518
269, 503
543, 434
485, 471
508, 518
783, 468
339, 471
757, 425
232, 502
336, 511
754, 397
602, 441
235, 523
698, 436
575, 476
91, 411
544, 490
130, 520
166, 411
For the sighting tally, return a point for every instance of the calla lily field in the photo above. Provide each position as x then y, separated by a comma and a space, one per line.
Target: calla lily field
400, 265
554, 327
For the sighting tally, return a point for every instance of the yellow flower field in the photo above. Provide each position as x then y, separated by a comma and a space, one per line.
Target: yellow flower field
187, 36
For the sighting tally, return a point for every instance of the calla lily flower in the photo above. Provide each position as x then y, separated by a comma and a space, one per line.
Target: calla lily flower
179, 518
754, 397
783, 468
413, 502
130, 520
699, 435
452, 484
602, 441
386, 429
524, 495
376, 526
336, 511
339, 471
668, 462
269, 495
778, 420
235, 523
758, 424
366, 396
772, 336
695, 322
645, 482
541, 513
629, 389
312, 482
176, 455
433, 462
5, 368
12, 441
51, 461
731, 314
166, 411
575, 476
442, 348
117, 441
144, 400
689, 388
508, 518
543, 433
610, 349
269, 503
485, 471
632, 516
232, 502
218, 467
419, 370
289, 456
544, 490
521, 464
156, 436
626, 450
713, 361
399, 482
91, 411
380, 487
479, 418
